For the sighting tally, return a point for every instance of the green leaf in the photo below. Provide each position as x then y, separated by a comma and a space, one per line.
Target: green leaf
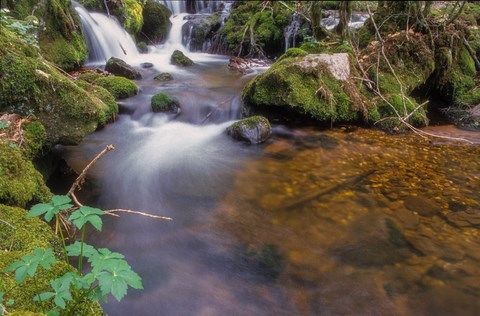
43, 297
61, 287
53, 312
10, 302
28, 264
87, 214
74, 250
58, 203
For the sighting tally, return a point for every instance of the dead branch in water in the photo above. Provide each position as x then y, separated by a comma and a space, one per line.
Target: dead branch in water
306, 198
112, 212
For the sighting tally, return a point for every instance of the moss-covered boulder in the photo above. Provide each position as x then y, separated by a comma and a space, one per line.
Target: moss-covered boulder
178, 58
119, 87
110, 106
119, 67
164, 76
32, 86
162, 102
20, 183
253, 130
156, 22
142, 47
19, 235
61, 40
302, 86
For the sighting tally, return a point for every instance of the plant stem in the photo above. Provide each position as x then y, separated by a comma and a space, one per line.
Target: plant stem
80, 259
63, 240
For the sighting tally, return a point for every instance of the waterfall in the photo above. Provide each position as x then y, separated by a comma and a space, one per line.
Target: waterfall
176, 6
291, 31
102, 45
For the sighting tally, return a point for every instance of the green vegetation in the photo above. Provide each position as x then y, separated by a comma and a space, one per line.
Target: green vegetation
32, 86
156, 22
162, 102
20, 183
62, 288
119, 87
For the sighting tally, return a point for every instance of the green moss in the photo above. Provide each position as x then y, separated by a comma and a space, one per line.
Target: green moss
290, 87
129, 12
90, 76
466, 63
67, 54
20, 183
387, 117
162, 102
156, 22
178, 58
110, 106
28, 234
31, 86
326, 48
119, 87
293, 52
267, 26
34, 138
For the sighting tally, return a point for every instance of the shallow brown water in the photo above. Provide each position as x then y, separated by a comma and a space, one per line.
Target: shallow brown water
341, 221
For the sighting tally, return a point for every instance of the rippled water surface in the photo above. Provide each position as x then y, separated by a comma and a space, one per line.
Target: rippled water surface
341, 221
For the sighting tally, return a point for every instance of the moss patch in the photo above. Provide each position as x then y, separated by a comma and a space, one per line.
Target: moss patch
156, 22
20, 183
178, 58
30, 233
162, 102
119, 87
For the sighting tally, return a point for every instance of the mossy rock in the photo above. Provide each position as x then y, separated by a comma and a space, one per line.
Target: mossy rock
107, 99
164, 76
286, 86
60, 39
119, 87
142, 47
203, 28
293, 52
32, 86
178, 58
34, 139
162, 102
28, 234
20, 183
119, 67
253, 130
156, 22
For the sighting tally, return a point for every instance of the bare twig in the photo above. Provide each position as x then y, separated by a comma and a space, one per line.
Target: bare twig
7, 223
112, 212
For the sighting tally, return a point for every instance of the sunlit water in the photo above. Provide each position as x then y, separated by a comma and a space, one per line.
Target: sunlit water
341, 221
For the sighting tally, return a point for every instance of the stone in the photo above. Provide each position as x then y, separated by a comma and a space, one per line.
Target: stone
178, 58
253, 130
468, 218
164, 76
421, 206
120, 68
338, 64
146, 65
162, 102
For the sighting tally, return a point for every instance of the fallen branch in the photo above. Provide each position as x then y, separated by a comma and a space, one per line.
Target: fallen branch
7, 223
112, 212
315, 195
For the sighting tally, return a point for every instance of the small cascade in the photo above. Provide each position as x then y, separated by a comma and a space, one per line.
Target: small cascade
116, 43
356, 20
176, 6
291, 31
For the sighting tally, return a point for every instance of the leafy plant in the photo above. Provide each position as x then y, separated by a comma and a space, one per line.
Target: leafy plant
108, 274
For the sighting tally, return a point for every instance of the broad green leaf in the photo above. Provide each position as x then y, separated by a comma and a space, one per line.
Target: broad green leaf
116, 279
87, 214
43, 297
10, 302
74, 250
53, 312
61, 288
28, 264
59, 203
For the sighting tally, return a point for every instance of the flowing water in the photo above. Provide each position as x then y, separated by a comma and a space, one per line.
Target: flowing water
343, 221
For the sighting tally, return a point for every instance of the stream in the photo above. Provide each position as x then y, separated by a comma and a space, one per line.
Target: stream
340, 221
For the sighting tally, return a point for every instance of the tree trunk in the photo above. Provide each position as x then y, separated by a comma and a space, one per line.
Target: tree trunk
345, 12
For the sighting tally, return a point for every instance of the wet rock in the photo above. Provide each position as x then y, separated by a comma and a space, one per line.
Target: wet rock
455, 206
468, 119
178, 58
408, 219
422, 206
467, 218
162, 102
164, 76
200, 30
120, 68
156, 22
254, 130
146, 65
142, 47
338, 64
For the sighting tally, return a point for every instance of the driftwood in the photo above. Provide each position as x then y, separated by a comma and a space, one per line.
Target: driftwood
307, 198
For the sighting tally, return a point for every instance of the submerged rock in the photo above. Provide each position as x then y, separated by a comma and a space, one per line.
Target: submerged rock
254, 130
119, 67
142, 47
178, 58
422, 206
467, 218
162, 102
164, 76
468, 119
146, 65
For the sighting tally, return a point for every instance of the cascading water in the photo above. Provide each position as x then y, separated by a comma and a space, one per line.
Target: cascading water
291, 31
102, 45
